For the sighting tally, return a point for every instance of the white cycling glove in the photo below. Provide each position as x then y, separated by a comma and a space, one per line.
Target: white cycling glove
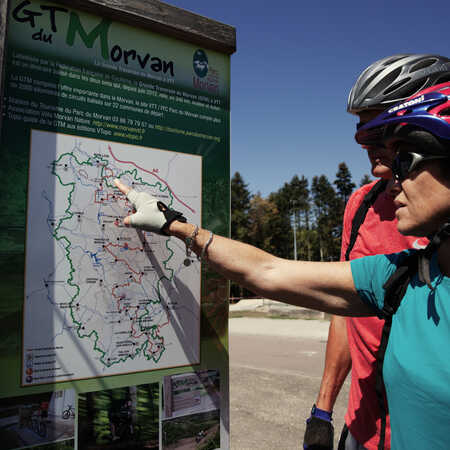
151, 214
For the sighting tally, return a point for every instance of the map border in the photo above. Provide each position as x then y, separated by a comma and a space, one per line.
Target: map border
56, 381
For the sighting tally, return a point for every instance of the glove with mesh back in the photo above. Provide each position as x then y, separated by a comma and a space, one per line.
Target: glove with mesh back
151, 214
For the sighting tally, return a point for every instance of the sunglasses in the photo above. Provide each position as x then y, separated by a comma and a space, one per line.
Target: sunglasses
406, 162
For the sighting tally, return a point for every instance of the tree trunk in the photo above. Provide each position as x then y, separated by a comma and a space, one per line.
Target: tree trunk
133, 398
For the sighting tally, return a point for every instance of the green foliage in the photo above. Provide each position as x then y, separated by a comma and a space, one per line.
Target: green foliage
314, 212
216, 204
292, 203
188, 427
263, 220
344, 182
307, 244
240, 205
365, 180
213, 443
96, 411
327, 208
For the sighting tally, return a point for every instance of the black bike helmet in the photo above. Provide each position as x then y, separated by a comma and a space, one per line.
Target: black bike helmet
396, 78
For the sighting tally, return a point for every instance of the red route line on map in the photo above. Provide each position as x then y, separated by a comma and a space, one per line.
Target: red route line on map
113, 196
110, 170
128, 284
151, 173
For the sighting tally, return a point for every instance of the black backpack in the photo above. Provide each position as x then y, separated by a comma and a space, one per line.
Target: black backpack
395, 288
360, 215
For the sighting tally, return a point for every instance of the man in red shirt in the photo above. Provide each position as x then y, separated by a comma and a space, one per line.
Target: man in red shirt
353, 342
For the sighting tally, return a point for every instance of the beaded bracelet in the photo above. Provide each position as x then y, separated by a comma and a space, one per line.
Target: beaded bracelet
189, 242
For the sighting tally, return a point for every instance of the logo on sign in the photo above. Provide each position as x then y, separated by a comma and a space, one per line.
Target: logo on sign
200, 63
206, 77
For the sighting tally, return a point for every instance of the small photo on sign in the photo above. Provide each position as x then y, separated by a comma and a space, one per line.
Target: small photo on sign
191, 393
38, 421
196, 432
125, 417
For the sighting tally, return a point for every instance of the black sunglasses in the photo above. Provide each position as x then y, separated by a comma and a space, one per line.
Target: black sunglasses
406, 162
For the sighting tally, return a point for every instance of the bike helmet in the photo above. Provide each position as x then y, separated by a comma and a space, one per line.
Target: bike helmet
423, 120
396, 78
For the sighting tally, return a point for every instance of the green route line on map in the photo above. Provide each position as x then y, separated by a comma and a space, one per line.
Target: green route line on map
133, 173
67, 247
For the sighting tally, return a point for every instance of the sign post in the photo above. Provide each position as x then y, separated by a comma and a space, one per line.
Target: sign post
97, 319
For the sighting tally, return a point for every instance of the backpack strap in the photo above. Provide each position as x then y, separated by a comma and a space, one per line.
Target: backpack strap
395, 288
360, 215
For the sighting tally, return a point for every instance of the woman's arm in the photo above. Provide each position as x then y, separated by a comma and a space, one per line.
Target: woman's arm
322, 286
317, 285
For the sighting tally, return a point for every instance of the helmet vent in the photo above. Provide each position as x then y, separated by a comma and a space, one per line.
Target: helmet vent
423, 64
387, 80
445, 112
394, 58
412, 89
369, 80
395, 86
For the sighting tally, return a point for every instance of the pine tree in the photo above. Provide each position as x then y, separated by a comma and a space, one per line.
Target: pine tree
263, 215
328, 218
299, 209
344, 182
240, 205
292, 203
365, 180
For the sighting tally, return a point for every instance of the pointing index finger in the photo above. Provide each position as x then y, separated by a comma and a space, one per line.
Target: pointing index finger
122, 187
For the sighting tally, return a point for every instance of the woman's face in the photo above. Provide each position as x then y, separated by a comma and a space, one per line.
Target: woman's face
423, 198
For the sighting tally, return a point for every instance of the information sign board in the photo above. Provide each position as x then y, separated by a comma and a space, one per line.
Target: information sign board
92, 310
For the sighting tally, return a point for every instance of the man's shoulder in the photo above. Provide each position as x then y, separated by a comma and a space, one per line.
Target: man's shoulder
358, 196
363, 190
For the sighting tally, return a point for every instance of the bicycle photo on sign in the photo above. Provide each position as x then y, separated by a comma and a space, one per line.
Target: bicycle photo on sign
69, 412
36, 419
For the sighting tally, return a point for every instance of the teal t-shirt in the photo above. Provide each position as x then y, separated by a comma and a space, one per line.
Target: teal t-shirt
417, 363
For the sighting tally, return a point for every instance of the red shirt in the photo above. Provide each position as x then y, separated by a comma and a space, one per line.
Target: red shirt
377, 235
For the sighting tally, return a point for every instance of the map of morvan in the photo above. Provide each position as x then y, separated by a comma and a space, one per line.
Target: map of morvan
102, 298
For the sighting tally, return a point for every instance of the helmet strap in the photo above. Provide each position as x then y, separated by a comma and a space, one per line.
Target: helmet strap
425, 257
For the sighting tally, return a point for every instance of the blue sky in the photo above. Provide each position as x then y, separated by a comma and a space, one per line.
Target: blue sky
294, 66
